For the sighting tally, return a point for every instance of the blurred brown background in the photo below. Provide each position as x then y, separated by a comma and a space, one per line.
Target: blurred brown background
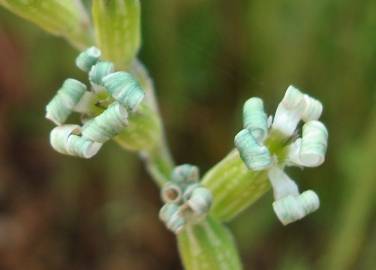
206, 58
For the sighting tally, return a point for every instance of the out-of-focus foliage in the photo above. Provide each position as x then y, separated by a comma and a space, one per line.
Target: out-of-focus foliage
206, 57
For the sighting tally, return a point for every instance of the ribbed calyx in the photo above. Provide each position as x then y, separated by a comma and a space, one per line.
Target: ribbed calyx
117, 29
208, 245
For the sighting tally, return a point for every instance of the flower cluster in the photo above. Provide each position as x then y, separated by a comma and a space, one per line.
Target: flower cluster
186, 200
267, 144
105, 108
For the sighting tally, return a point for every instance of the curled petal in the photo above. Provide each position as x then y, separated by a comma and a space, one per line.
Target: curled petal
292, 208
106, 125
312, 109
314, 144
170, 214
289, 111
88, 58
171, 193
99, 71
86, 102
256, 157
255, 118
189, 190
82, 147
310, 201
64, 139
185, 173
63, 103
295, 106
288, 209
59, 137
125, 89
293, 99
200, 201
282, 184
293, 153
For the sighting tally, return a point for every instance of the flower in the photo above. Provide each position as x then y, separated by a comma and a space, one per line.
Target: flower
186, 200
106, 107
271, 145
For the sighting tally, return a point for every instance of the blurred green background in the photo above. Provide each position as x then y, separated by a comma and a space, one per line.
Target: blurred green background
206, 58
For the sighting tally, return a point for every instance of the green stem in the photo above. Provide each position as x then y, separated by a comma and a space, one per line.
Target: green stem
158, 160
158, 163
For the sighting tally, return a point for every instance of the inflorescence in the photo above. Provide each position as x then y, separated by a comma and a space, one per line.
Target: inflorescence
104, 109
186, 200
257, 142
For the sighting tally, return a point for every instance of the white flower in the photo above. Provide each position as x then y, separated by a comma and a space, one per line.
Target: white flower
270, 147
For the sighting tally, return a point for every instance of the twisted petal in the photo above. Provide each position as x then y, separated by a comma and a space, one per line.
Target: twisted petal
288, 209
310, 201
171, 193
68, 96
256, 157
170, 214
314, 144
125, 89
189, 190
99, 71
64, 139
295, 106
106, 125
82, 147
312, 109
200, 201
293, 153
255, 118
292, 208
88, 58
185, 173
86, 102
282, 184
289, 111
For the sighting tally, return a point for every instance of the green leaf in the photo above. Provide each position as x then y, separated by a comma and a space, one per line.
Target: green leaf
66, 18
117, 29
208, 246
